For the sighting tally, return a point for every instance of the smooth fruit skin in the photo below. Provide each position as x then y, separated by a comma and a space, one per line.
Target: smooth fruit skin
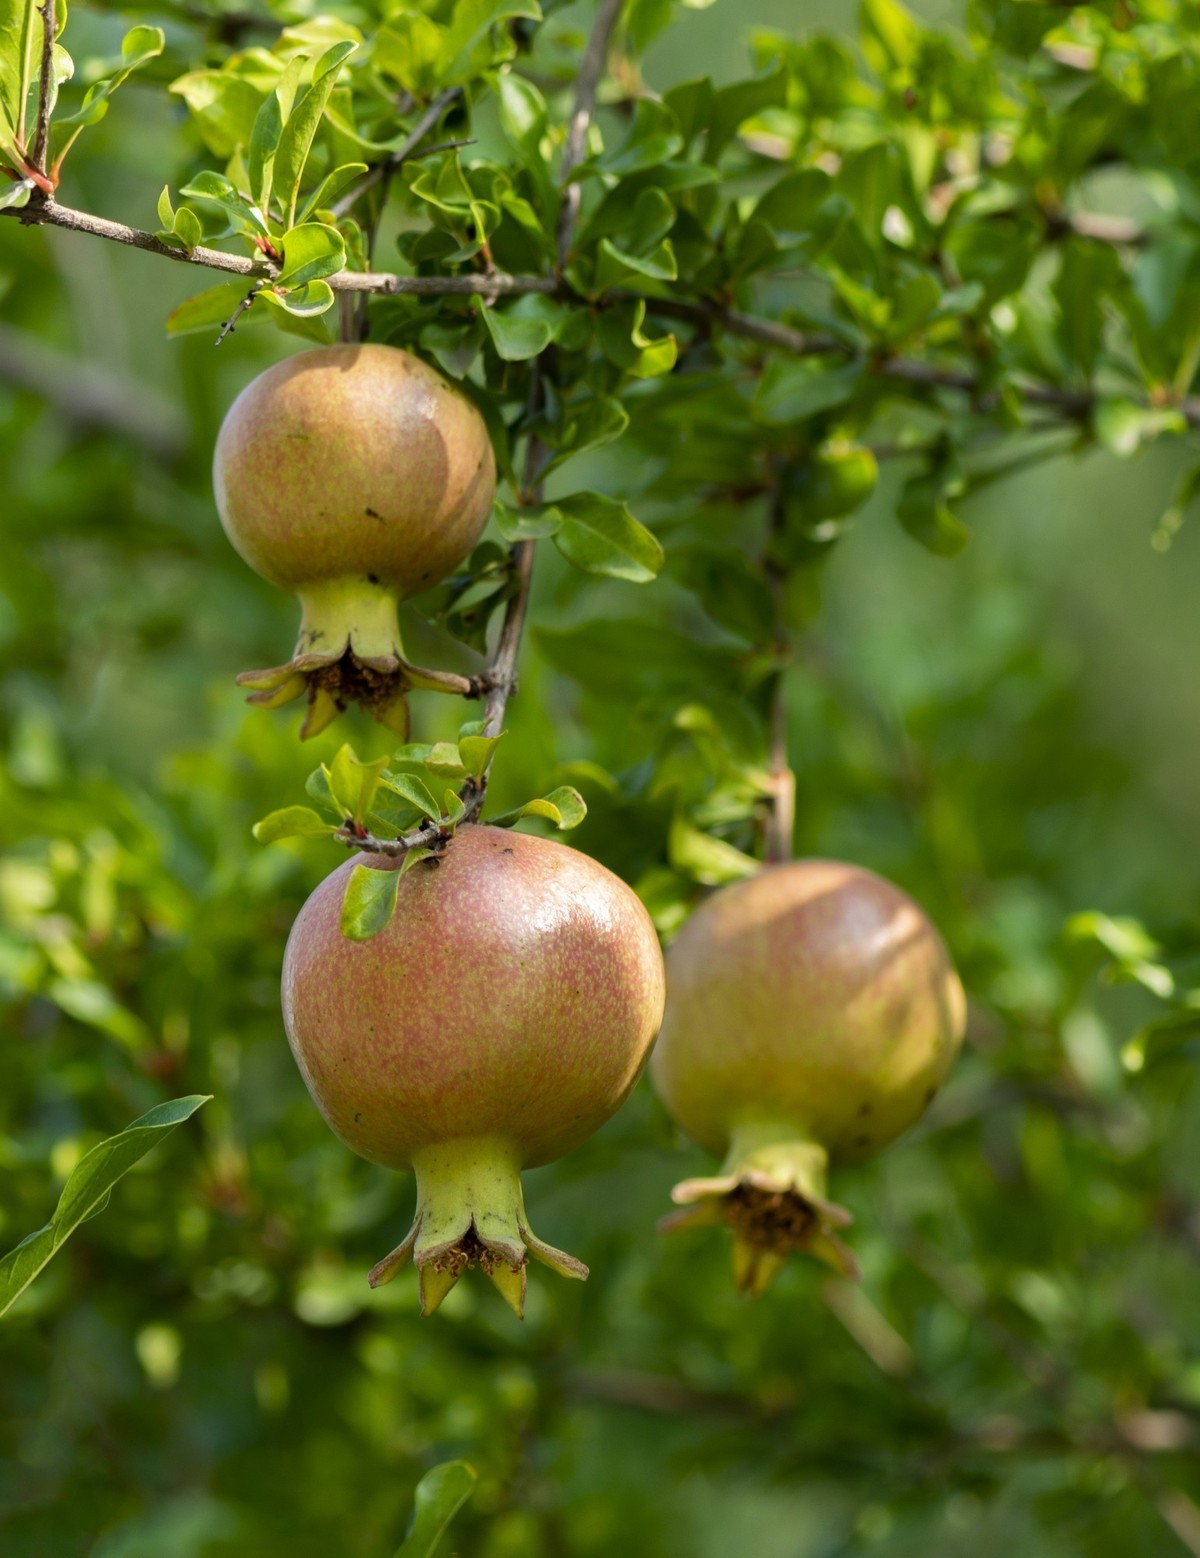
352, 476
351, 461
812, 1014
503, 1014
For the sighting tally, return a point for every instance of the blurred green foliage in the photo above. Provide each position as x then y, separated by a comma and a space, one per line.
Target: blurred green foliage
1012, 734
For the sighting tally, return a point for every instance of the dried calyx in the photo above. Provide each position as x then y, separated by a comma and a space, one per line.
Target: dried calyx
354, 477
812, 1015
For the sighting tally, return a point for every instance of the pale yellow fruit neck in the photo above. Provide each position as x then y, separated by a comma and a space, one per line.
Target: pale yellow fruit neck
776, 1154
349, 614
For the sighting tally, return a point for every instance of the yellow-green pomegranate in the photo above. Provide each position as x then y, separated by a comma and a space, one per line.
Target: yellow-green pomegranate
812, 1014
498, 1020
353, 477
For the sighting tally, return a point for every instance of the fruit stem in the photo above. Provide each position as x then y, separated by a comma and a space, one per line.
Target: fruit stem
352, 614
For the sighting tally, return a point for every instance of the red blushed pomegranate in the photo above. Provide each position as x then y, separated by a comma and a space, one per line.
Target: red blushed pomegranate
500, 1018
354, 477
812, 1014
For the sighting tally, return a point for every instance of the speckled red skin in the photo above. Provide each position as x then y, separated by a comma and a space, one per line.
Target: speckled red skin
815, 997
514, 994
353, 461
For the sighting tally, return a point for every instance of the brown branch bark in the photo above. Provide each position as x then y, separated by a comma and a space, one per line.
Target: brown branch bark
1073, 404
385, 169
587, 84
41, 142
502, 672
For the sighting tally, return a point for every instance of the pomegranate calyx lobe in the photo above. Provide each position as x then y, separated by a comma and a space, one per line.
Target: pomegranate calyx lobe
471, 1212
770, 1193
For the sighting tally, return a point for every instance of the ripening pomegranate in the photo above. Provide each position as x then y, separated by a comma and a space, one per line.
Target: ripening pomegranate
354, 477
500, 1018
812, 1014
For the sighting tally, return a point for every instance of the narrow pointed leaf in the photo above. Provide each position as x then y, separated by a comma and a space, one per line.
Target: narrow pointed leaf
86, 1191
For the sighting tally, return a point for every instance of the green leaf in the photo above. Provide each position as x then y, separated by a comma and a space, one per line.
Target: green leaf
614, 266
791, 390
653, 138
1123, 426
581, 428
352, 783
564, 807
515, 339
267, 131
370, 901
440, 1494
705, 858
600, 535
890, 36
311, 252
415, 792
296, 139
924, 511
292, 822
626, 344
533, 523
330, 187
20, 41
445, 761
87, 1189
471, 22
217, 192
14, 196
733, 105
187, 229
224, 104
477, 752
410, 48
209, 309
315, 297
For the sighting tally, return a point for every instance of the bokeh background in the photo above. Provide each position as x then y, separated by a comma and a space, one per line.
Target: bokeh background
1013, 735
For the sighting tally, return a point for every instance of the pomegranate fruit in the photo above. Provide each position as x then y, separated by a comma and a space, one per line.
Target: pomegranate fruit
352, 476
812, 1014
500, 1018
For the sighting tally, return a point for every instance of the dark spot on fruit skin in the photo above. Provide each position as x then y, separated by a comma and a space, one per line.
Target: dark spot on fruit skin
372, 578
357, 1116
373, 514
508, 851
864, 1109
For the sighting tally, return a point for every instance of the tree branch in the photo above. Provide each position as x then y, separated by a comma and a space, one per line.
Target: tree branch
587, 84
503, 668
384, 170
1074, 404
779, 824
41, 141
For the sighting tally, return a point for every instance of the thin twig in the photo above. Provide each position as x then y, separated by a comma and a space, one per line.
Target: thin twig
779, 824
430, 835
243, 307
385, 169
41, 144
587, 84
502, 671
1074, 404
